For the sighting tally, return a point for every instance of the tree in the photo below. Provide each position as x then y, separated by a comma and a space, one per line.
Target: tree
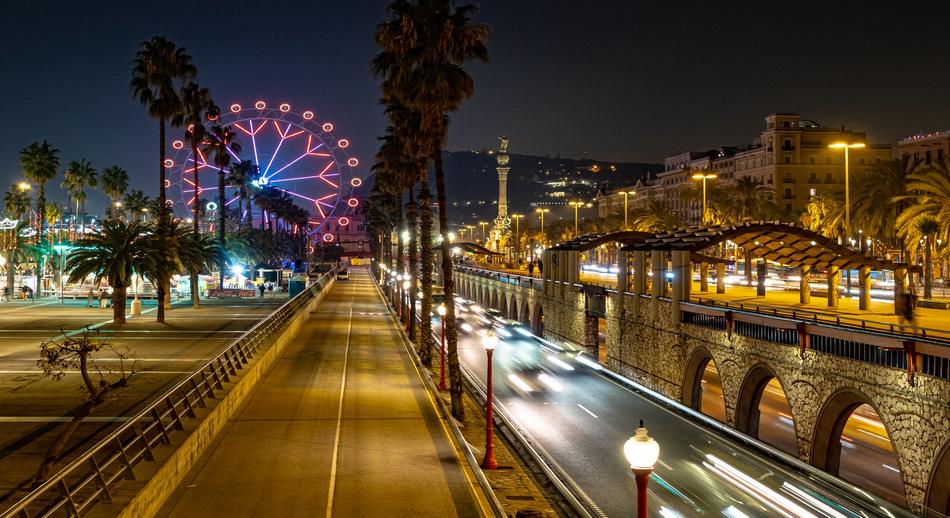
657, 216
219, 146
929, 196
158, 68
18, 249
242, 174
878, 199
424, 47
746, 200
825, 214
67, 353
40, 163
136, 203
110, 253
198, 253
79, 176
927, 227
162, 259
114, 183
16, 202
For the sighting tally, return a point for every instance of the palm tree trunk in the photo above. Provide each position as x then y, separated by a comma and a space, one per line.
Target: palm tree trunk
398, 266
161, 294
162, 209
221, 207
928, 268
40, 266
448, 286
413, 264
11, 271
425, 260
195, 229
118, 304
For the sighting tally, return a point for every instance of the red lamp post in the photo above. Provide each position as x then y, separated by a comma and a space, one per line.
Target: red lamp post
406, 299
441, 311
489, 341
642, 453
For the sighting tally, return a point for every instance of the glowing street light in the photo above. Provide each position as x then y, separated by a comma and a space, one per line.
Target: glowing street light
517, 218
577, 205
483, 224
441, 311
625, 195
489, 342
704, 177
847, 194
23, 186
642, 453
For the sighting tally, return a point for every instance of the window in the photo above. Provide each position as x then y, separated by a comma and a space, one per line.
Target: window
788, 194
788, 160
813, 192
939, 154
787, 177
927, 159
828, 178
786, 124
813, 177
811, 160
787, 145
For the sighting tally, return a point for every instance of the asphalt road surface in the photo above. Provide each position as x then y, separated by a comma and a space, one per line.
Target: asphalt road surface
582, 418
33, 408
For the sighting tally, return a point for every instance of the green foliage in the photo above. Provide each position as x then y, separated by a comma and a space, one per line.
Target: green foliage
16, 202
110, 253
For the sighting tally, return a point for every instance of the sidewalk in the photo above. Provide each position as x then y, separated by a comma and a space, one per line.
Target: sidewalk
341, 425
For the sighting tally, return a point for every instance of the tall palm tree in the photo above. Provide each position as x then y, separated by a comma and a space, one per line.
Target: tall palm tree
40, 163
425, 45
929, 196
878, 199
242, 174
136, 203
110, 253
197, 107
162, 260
159, 67
79, 176
825, 214
219, 146
114, 183
927, 228
746, 200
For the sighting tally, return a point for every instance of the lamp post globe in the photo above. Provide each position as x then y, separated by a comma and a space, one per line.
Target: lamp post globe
641, 452
489, 342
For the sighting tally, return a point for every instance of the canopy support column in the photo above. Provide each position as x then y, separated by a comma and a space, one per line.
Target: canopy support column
639, 279
658, 269
804, 285
720, 278
704, 277
834, 279
864, 288
900, 279
761, 272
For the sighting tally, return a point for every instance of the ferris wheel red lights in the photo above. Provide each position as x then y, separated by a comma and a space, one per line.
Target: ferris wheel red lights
295, 154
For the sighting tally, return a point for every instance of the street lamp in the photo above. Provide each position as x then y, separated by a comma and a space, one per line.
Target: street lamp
517, 218
625, 195
704, 177
577, 205
23, 186
441, 310
642, 453
541, 215
847, 194
489, 342
483, 223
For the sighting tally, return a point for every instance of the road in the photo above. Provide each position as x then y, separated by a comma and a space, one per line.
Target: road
33, 408
340, 425
582, 418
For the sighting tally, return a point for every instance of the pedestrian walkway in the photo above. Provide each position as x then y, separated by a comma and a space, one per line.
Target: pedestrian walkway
339, 426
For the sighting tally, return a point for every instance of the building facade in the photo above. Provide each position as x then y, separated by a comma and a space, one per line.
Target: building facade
791, 156
932, 147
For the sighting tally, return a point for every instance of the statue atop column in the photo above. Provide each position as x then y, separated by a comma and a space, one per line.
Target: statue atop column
501, 229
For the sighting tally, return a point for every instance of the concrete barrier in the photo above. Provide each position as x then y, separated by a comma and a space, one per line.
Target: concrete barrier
149, 500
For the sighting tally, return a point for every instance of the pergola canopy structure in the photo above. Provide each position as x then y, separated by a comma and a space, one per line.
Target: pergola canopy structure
591, 241
474, 248
784, 243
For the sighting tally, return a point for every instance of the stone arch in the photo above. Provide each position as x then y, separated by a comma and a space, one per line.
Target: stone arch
513, 307
938, 490
537, 323
749, 401
503, 304
525, 316
693, 378
827, 453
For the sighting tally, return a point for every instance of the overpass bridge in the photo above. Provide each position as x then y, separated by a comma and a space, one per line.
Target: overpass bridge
863, 399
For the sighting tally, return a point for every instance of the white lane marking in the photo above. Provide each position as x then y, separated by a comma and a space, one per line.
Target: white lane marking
339, 415
29, 306
588, 411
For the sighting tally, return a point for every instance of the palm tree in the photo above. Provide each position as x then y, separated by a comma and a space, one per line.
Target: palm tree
657, 216
110, 253
40, 163
927, 227
242, 174
79, 176
929, 197
746, 200
825, 214
16, 202
878, 198
158, 68
163, 246
219, 146
197, 107
136, 203
424, 47
18, 249
115, 181
199, 252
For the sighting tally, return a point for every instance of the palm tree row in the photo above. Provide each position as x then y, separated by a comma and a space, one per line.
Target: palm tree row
424, 46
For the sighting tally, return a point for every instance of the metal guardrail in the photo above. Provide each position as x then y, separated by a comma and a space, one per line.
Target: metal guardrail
88, 479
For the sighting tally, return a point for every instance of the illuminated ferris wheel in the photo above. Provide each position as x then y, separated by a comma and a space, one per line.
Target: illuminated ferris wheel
295, 153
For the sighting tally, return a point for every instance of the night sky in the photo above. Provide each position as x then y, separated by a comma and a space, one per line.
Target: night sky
618, 80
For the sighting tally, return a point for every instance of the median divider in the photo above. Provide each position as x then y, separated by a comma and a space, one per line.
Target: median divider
202, 403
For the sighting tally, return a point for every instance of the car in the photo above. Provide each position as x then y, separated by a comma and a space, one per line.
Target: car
343, 275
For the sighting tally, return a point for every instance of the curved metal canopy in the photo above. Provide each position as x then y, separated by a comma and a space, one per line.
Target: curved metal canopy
591, 241
784, 243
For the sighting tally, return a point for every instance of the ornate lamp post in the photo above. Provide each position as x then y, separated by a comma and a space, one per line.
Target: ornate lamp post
441, 310
489, 342
642, 453
483, 224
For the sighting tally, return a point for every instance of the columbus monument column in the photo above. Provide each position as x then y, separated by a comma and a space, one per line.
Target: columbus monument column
501, 230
